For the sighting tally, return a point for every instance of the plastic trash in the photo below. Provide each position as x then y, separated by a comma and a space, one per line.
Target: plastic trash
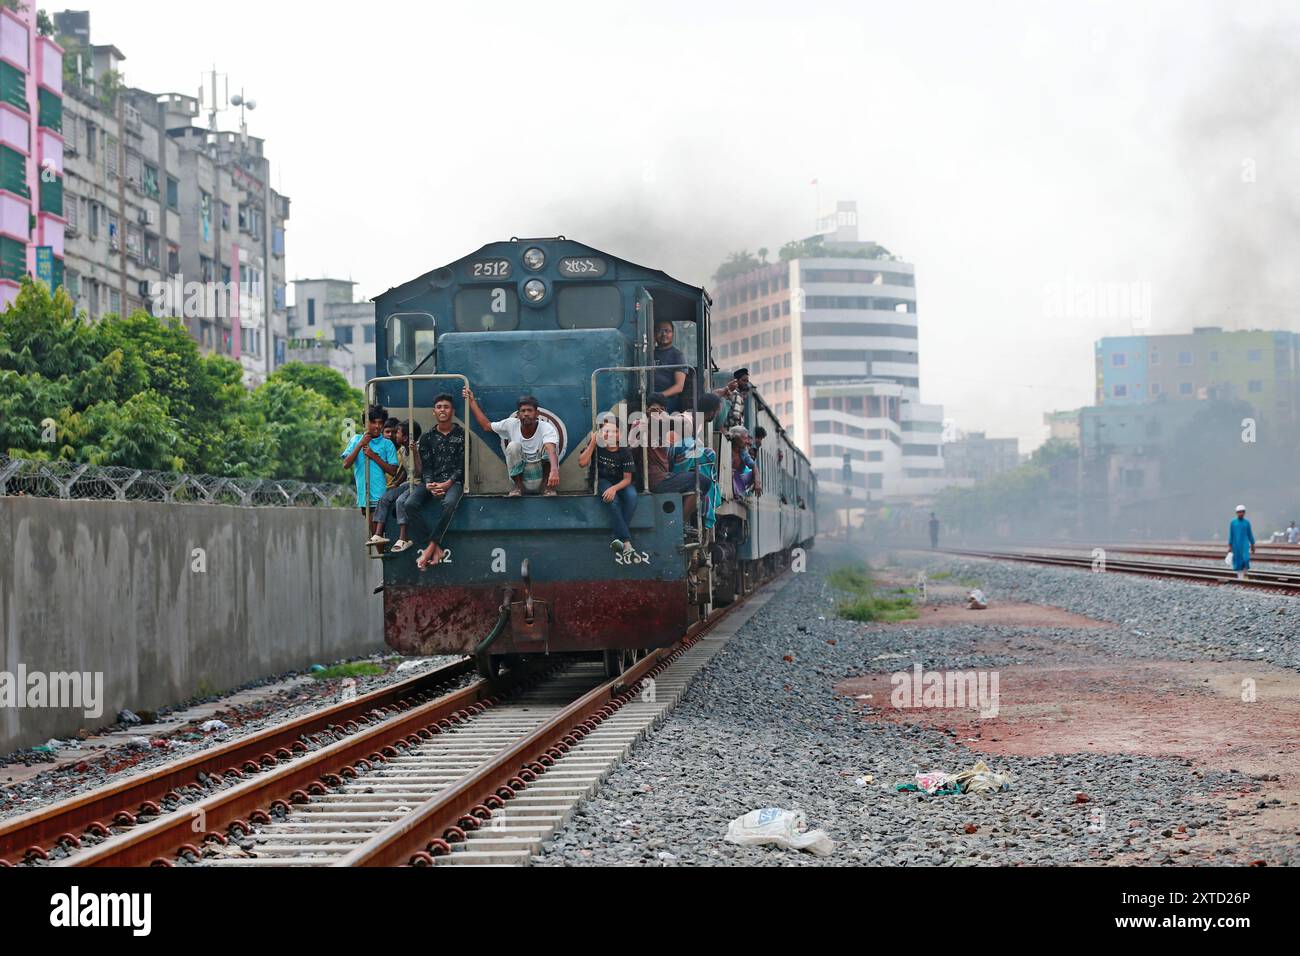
784, 828
139, 743
316, 669
53, 745
213, 726
1227, 559
932, 781
976, 601
127, 717
408, 666
666, 856
980, 779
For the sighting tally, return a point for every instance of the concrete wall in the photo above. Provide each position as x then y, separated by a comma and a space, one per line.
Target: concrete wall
96, 586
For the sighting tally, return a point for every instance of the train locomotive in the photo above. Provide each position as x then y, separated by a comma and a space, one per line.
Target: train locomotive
572, 326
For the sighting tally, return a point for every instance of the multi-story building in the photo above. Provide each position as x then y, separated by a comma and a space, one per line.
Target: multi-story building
324, 313
976, 456
1262, 368
161, 214
1063, 426
31, 153
829, 335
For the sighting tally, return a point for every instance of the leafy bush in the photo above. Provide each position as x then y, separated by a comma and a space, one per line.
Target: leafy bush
135, 392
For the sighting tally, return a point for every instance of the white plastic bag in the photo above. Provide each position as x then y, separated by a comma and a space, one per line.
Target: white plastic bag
785, 828
1227, 559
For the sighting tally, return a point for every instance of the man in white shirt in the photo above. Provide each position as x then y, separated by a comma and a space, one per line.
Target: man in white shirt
1292, 533
532, 446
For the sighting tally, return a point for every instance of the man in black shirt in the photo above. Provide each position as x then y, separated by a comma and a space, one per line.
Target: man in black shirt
669, 382
440, 470
614, 469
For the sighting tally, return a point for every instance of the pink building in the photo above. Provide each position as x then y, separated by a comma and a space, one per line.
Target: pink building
31, 151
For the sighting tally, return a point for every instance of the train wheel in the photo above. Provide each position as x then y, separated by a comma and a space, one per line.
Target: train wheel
618, 660
489, 666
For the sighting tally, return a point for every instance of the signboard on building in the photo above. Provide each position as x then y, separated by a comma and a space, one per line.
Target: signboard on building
45, 266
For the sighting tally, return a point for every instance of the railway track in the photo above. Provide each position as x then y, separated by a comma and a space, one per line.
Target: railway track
1283, 582
1210, 552
93, 816
481, 775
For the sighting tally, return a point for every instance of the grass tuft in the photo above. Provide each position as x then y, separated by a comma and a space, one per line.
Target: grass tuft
860, 602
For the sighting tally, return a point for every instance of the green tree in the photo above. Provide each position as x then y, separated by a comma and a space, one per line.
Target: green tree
138, 433
134, 391
304, 429
325, 381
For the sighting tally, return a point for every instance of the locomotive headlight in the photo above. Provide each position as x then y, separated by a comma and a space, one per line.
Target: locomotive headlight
534, 290
534, 259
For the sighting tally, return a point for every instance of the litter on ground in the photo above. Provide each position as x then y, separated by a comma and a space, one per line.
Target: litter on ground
784, 828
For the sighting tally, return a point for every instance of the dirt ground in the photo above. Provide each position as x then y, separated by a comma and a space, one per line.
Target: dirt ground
1240, 715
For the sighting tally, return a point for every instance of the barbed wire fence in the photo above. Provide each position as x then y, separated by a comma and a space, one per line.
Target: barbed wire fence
69, 480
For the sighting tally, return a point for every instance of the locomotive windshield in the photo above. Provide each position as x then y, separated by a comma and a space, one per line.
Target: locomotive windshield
589, 307
487, 309
411, 340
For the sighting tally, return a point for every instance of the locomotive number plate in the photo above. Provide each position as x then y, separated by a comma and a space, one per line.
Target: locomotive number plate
490, 269
587, 268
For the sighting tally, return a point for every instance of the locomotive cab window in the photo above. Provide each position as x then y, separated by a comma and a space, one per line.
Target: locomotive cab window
487, 309
589, 307
411, 339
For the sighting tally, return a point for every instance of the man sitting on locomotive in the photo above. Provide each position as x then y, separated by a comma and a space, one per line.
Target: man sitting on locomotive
399, 485
372, 458
689, 452
440, 480
532, 446
661, 480
614, 470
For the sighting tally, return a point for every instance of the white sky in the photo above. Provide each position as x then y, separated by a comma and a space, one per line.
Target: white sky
1002, 148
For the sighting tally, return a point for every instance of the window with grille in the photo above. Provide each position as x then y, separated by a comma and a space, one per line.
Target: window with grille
13, 86
50, 106
13, 170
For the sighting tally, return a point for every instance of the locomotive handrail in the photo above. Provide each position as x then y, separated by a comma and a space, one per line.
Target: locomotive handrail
410, 380
645, 448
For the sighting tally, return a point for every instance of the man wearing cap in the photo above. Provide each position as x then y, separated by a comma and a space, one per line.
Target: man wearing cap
1241, 539
734, 393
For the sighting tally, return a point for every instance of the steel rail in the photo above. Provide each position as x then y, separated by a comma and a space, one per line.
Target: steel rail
1276, 581
30, 834
183, 832
430, 828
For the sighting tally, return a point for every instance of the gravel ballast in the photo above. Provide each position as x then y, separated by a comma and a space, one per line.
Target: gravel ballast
757, 730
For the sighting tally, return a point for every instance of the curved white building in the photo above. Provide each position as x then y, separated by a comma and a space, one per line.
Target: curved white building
830, 338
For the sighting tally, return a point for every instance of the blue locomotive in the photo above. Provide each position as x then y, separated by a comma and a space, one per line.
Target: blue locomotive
572, 326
